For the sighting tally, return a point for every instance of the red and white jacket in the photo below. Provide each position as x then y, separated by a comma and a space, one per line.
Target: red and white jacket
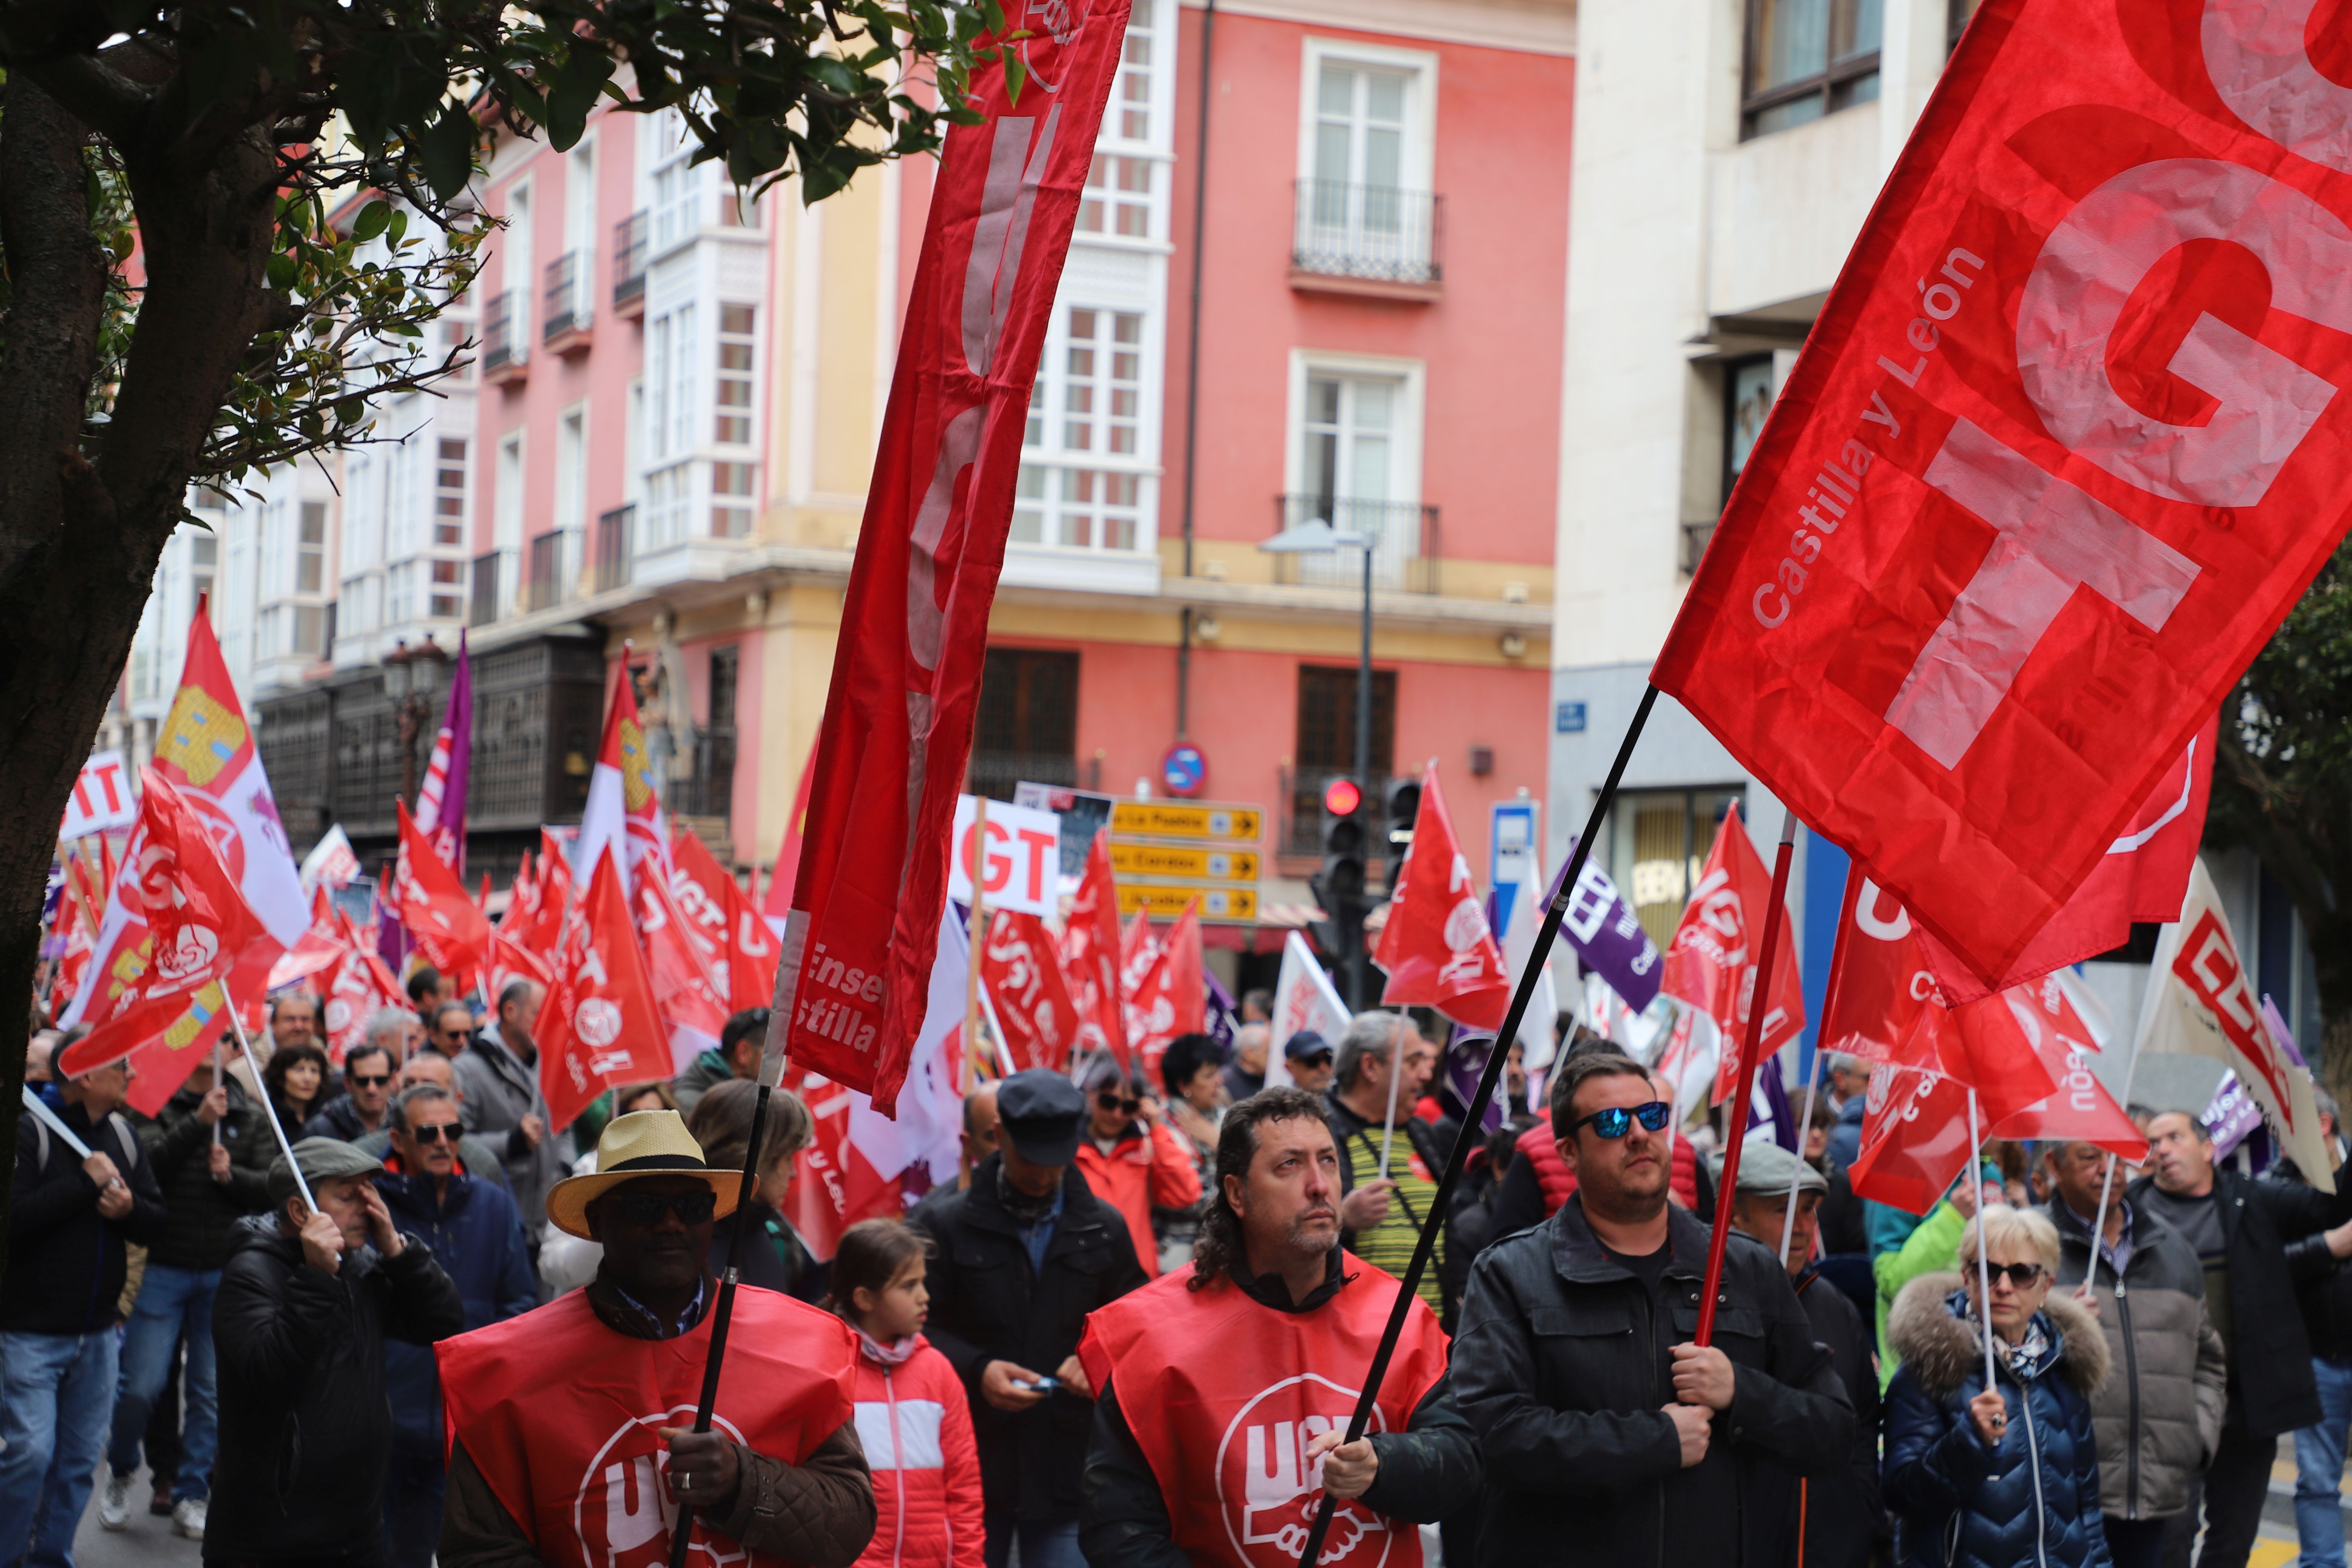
1149, 1167
916, 1428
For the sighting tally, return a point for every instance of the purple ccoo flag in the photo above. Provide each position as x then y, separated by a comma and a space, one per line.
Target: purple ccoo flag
1606, 936
441, 800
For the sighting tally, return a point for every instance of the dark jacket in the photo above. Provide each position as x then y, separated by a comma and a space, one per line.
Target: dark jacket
2270, 1387
2159, 1417
339, 1117
2031, 1501
499, 1091
1562, 1368
1844, 1527
2322, 1286
202, 1209
1427, 1470
305, 1432
477, 1239
988, 1304
775, 1260
1845, 1138
66, 1260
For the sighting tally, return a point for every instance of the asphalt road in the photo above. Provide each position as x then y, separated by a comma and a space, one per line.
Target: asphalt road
148, 1540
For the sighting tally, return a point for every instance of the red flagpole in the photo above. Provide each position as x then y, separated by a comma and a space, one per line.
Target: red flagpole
1736, 1131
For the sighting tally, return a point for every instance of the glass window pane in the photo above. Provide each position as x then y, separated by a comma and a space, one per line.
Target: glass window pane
1859, 25
1372, 400
1331, 160
1336, 91
1368, 473
1322, 400
1384, 99
1793, 41
1800, 111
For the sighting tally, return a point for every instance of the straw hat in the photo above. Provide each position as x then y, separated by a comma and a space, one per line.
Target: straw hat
642, 1144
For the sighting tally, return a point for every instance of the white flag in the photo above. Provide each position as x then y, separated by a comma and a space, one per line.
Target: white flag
1304, 998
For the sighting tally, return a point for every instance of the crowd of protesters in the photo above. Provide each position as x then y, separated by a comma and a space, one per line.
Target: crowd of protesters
1129, 1333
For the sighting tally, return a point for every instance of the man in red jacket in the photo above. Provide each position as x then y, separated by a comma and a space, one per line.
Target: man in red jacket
1132, 1159
1224, 1391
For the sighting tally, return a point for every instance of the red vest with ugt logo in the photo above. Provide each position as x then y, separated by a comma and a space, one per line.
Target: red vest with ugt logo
1223, 1394
558, 1413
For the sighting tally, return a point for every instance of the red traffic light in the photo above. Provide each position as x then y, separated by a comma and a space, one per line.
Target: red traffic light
1342, 797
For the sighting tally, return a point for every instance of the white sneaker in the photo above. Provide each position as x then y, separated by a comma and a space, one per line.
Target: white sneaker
188, 1518
114, 1503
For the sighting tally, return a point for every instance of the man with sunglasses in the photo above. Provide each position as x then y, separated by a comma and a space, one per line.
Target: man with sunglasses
366, 1102
476, 1237
1132, 1159
571, 1435
1608, 1437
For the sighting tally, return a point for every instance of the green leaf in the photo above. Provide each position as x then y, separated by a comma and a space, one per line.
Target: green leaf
373, 219
445, 152
1016, 71
573, 92
283, 270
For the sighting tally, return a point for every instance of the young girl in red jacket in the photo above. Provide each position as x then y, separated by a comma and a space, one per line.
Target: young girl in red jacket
911, 1416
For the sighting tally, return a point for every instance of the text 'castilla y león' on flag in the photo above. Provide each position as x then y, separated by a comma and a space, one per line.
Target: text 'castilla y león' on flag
2050, 467
851, 979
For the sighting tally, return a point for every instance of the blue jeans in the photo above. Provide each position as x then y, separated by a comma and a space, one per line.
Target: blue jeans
1045, 1543
55, 1393
172, 1302
2319, 1468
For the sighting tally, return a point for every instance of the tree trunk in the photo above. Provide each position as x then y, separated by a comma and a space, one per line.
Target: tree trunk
82, 524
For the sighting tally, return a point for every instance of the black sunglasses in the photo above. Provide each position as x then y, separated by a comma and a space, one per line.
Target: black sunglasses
1317, 1059
433, 1132
367, 1080
1111, 1099
1616, 1121
647, 1208
2022, 1276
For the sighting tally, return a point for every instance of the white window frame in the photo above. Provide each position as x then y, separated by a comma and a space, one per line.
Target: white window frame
507, 520
1410, 434
1417, 168
572, 467
520, 268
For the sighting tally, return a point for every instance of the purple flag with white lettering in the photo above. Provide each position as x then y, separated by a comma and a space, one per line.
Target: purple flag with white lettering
1607, 938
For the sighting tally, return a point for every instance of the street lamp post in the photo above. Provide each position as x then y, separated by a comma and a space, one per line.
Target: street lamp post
1317, 537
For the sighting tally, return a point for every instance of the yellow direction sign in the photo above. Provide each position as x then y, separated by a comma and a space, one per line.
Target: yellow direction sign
1176, 860
1168, 902
1177, 819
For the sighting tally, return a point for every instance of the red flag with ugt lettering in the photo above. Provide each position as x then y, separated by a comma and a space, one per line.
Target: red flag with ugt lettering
2064, 445
433, 905
2078, 1106
1436, 948
150, 1005
600, 1024
678, 958
1883, 1003
1915, 1138
896, 732
1711, 963
358, 987
1171, 998
719, 909
1091, 950
1023, 973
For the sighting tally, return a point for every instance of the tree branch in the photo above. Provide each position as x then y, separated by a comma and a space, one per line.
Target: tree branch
94, 93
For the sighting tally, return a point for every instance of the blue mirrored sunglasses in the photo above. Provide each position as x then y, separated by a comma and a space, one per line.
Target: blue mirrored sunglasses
1617, 1119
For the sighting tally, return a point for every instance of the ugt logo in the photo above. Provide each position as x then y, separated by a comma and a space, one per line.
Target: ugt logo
1268, 1490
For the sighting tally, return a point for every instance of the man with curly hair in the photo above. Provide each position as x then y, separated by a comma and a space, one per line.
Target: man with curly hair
1223, 1390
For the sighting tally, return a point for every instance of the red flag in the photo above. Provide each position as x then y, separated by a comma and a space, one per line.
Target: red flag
1436, 948
1882, 1002
160, 1002
693, 1000
509, 961
1171, 999
709, 898
2047, 474
834, 1184
788, 858
898, 723
1711, 963
317, 948
1023, 973
359, 986
2079, 1106
435, 906
2143, 875
599, 1026
1915, 1138
540, 928
1091, 951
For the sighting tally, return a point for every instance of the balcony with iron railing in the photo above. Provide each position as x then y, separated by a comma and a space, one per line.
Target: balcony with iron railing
570, 309
1406, 542
493, 591
631, 242
505, 353
1366, 239
615, 541
554, 569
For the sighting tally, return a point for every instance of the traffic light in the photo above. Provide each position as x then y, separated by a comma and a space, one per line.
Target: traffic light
1401, 803
1339, 884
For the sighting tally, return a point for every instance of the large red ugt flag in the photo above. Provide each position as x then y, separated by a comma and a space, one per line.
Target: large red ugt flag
2065, 445
856, 960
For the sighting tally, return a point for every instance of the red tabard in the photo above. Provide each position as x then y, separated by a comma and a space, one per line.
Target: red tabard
1223, 1394
558, 1412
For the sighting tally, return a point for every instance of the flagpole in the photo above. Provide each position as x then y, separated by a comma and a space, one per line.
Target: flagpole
2107, 1183
1776, 915
1804, 1131
1555, 911
1396, 1072
977, 933
269, 1107
1984, 1268
219, 1082
682, 1535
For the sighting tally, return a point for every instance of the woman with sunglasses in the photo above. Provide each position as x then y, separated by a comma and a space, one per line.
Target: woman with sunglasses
1132, 1159
2006, 1477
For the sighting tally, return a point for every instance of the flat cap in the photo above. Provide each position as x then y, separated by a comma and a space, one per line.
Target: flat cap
322, 1160
1042, 1113
1766, 1167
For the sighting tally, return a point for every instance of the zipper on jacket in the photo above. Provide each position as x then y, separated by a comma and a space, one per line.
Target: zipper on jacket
2033, 1461
898, 1460
2131, 1425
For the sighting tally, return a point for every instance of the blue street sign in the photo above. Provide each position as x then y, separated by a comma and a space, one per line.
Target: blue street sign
1568, 718
1183, 769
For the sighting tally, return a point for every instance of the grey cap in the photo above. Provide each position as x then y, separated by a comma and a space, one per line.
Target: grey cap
322, 1160
1766, 1167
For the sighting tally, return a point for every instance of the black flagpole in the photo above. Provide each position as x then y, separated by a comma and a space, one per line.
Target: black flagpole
1553, 914
682, 1534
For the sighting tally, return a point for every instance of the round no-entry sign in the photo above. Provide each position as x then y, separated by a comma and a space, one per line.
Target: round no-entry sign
1183, 769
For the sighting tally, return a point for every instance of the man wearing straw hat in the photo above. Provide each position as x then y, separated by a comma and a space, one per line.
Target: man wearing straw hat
570, 1427
307, 1296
